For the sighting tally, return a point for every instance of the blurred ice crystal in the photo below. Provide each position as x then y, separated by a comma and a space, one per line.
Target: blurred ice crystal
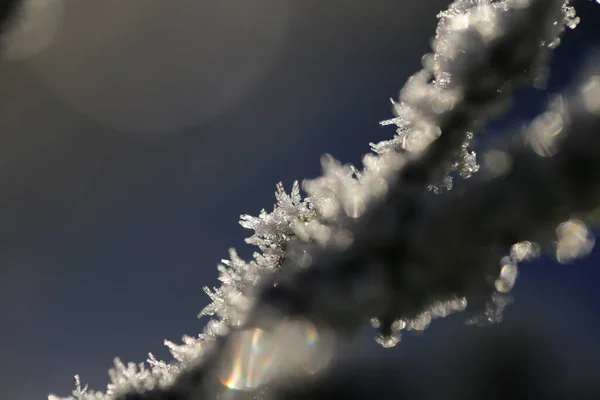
591, 94
508, 275
524, 251
574, 241
496, 162
388, 341
439, 309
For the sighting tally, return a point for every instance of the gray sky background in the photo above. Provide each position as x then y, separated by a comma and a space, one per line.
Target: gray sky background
140, 130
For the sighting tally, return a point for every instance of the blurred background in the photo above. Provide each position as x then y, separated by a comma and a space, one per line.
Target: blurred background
134, 133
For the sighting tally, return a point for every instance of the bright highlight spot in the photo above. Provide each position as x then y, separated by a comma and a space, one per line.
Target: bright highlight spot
590, 94
544, 130
250, 362
256, 357
574, 241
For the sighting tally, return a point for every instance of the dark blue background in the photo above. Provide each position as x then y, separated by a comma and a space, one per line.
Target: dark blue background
107, 235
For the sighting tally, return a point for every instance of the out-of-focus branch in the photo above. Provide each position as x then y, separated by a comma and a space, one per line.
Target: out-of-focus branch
456, 236
498, 362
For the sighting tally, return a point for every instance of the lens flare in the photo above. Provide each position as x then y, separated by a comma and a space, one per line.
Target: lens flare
256, 357
250, 361
574, 241
545, 128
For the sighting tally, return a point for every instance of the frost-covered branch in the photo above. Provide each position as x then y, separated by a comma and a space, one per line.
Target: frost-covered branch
378, 243
538, 181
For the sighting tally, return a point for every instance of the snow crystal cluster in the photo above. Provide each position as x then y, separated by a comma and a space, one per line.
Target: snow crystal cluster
444, 93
